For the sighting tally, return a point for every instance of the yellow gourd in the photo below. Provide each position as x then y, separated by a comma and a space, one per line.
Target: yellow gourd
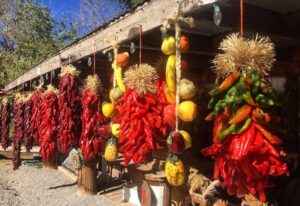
115, 130
187, 111
111, 150
168, 45
170, 73
108, 109
187, 138
174, 171
119, 79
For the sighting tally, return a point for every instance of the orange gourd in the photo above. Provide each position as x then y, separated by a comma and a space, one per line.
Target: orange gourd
122, 59
184, 44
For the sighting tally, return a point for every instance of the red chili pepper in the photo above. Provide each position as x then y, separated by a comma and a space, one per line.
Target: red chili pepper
146, 130
18, 132
91, 144
48, 126
5, 121
272, 139
241, 114
70, 109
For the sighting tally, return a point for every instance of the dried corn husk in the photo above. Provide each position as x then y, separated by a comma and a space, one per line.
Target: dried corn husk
141, 78
241, 54
93, 83
70, 69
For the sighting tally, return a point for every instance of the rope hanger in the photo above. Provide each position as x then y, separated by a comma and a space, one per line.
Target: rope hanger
242, 18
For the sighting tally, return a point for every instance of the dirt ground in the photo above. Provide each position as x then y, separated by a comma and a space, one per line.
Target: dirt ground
29, 186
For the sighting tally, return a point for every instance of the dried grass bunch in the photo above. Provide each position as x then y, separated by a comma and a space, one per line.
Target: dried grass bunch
93, 83
240, 54
4, 101
51, 88
141, 78
70, 69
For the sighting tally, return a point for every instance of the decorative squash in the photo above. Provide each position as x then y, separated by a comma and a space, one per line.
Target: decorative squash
187, 89
108, 109
168, 45
184, 44
187, 111
122, 59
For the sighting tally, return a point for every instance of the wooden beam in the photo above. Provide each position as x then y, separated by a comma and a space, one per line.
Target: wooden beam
149, 15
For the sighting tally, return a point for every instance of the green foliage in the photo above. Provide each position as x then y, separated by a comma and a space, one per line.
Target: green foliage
28, 34
132, 3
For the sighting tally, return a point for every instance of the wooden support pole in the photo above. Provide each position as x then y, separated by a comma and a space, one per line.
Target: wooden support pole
87, 178
52, 162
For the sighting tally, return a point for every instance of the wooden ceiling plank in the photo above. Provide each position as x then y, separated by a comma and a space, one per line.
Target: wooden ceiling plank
149, 15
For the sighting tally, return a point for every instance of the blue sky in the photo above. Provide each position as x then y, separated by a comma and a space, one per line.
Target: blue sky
59, 7
68, 10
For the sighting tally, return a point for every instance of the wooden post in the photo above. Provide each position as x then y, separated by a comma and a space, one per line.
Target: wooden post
87, 178
178, 196
52, 162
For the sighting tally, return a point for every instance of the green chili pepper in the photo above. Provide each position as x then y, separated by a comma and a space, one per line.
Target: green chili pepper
213, 101
221, 104
255, 82
227, 132
261, 98
266, 88
245, 126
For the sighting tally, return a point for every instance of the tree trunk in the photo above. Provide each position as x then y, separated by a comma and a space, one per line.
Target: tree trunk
87, 178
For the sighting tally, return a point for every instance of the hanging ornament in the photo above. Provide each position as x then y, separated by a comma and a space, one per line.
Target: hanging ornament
178, 140
217, 15
132, 47
110, 56
53, 74
242, 108
89, 62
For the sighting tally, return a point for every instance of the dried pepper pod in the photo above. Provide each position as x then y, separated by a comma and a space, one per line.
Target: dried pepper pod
5, 117
91, 141
18, 130
28, 137
36, 99
49, 123
70, 109
140, 110
246, 152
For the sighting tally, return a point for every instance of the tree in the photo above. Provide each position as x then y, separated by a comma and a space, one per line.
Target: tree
94, 13
132, 3
28, 34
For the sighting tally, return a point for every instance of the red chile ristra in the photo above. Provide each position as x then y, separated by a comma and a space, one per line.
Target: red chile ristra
91, 144
49, 123
18, 131
28, 137
5, 115
141, 123
69, 108
35, 117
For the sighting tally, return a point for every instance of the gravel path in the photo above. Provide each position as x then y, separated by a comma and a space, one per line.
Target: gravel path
40, 187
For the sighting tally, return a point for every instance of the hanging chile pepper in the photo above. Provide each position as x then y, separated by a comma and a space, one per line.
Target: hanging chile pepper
246, 153
142, 127
91, 142
69, 108
18, 130
28, 137
49, 123
5, 121
36, 116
